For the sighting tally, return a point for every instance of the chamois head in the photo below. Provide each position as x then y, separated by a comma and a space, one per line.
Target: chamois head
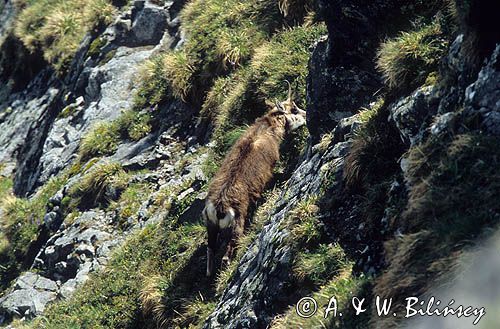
290, 114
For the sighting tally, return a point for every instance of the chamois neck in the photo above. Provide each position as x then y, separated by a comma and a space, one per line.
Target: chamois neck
271, 126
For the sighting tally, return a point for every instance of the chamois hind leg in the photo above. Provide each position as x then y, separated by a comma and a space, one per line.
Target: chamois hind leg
237, 232
213, 232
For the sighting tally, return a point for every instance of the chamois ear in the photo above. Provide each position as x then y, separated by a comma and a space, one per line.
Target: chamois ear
270, 105
279, 106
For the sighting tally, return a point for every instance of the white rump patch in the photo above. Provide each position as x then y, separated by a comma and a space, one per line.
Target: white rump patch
211, 212
228, 219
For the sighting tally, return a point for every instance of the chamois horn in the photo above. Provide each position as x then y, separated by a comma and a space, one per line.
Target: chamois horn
289, 91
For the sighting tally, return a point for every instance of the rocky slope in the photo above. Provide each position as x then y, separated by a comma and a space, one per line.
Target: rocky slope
103, 165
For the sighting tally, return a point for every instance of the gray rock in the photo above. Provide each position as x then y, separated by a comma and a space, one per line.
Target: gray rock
51, 220
30, 294
483, 96
33, 280
344, 128
412, 113
443, 123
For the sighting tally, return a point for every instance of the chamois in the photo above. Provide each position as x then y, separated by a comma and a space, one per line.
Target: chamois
244, 173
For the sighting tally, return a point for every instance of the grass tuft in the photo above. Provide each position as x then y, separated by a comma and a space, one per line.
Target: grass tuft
444, 214
315, 268
343, 287
375, 149
102, 183
178, 68
408, 59
58, 26
103, 138
305, 227
130, 201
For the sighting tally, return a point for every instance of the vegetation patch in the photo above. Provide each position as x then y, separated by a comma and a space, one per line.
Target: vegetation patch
241, 98
304, 225
99, 185
237, 54
104, 137
20, 224
221, 37
58, 26
109, 299
321, 269
375, 149
314, 268
130, 201
167, 299
343, 286
407, 60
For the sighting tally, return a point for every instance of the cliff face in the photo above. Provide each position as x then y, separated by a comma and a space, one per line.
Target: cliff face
104, 163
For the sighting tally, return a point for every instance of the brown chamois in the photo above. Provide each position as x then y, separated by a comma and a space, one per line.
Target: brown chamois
243, 175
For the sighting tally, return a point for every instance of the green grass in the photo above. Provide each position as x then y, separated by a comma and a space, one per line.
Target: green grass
221, 37
297, 9
375, 149
444, 180
408, 59
167, 297
58, 26
236, 55
153, 83
19, 225
103, 138
130, 290
343, 286
304, 225
5, 187
95, 47
130, 201
99, 185
316, 267
240, 98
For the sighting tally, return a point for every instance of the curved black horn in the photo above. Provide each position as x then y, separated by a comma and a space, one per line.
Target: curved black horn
289, 91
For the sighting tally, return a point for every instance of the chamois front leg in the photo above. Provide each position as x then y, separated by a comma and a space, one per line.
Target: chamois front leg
236, 234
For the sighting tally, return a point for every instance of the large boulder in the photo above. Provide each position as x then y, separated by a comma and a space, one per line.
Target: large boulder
31, 293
